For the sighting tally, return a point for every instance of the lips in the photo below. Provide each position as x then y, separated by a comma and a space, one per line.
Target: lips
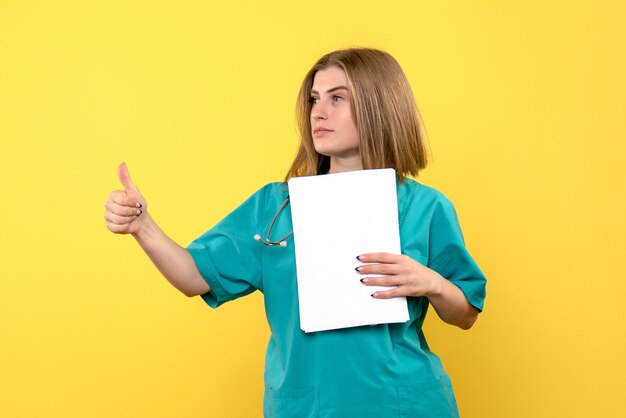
321, 130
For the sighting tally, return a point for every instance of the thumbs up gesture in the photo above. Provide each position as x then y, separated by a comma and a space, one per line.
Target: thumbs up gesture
125, 209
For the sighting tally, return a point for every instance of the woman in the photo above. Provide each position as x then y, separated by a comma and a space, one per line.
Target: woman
355, 111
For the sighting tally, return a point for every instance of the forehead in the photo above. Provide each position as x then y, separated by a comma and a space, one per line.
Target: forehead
328, 78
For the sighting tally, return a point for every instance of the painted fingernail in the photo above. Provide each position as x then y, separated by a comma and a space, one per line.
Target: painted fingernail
357, 268
373, 295
363, 280
358, 257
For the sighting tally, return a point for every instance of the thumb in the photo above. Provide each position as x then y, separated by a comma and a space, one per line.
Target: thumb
124, 175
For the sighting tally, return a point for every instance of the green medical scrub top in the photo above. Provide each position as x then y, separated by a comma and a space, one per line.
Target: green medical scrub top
379, 371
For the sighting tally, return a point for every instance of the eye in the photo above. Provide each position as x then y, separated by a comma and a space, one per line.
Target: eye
314, 100
337, 98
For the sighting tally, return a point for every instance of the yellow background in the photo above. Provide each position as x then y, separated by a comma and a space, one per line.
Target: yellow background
524, 103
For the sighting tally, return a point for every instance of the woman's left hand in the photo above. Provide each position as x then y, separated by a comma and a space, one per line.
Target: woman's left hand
415, 279
410, 277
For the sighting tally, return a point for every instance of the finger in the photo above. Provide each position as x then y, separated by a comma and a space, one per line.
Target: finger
381, 269
388, 294
116, 228
122, 210
119, 220
379, 258
124, 176
121, 198
384, 281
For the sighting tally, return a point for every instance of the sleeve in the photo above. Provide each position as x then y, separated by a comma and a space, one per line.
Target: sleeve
449, 257
227, 255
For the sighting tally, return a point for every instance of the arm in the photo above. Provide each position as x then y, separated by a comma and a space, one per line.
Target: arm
451, 304
173, 261
126, 213
415, 279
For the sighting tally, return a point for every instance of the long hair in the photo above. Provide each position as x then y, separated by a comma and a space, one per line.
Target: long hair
385, 114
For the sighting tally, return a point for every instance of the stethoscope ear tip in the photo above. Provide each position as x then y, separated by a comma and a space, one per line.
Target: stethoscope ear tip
257, 237
283, 244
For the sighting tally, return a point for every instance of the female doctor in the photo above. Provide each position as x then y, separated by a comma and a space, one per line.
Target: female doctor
355, 111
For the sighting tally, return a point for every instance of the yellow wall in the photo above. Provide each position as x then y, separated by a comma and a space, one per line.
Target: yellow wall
524, 103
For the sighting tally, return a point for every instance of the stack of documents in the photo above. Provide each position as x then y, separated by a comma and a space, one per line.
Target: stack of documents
335, 218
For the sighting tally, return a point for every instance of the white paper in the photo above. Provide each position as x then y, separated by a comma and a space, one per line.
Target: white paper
335, 218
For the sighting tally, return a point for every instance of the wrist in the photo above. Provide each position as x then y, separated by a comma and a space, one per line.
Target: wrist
145, 230
436, 284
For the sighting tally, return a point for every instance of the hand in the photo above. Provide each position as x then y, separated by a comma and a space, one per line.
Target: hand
410, 277
125, 209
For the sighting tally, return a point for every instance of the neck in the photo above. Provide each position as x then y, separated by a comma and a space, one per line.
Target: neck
341, 165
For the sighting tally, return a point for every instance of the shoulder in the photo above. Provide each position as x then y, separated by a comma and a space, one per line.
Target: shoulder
273, 191
275, 187
268, 197
424, 206
411, 192
262, 200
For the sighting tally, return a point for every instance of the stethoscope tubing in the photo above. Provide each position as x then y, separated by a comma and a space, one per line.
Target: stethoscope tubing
267, 241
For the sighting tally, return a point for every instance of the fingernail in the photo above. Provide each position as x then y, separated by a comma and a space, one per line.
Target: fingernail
357, 268
138, 205
358, 257
363, 280
373, 295
140, 211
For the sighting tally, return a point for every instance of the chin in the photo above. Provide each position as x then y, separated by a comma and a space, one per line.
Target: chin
326, 152
322, 150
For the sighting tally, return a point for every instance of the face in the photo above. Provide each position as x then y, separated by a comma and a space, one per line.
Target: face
332, 123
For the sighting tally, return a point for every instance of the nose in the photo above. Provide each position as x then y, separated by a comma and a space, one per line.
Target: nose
319, 111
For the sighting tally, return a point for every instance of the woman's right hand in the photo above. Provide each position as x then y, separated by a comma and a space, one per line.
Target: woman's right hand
126, 209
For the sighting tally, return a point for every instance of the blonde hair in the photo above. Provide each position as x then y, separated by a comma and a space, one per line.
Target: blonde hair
385, 114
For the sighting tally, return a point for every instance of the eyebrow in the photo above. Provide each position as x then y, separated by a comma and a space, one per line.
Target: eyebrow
332, 90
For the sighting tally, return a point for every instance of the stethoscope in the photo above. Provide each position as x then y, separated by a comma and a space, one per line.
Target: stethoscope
267, 241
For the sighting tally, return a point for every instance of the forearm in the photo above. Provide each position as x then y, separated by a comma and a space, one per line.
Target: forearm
450, 303
172, 260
